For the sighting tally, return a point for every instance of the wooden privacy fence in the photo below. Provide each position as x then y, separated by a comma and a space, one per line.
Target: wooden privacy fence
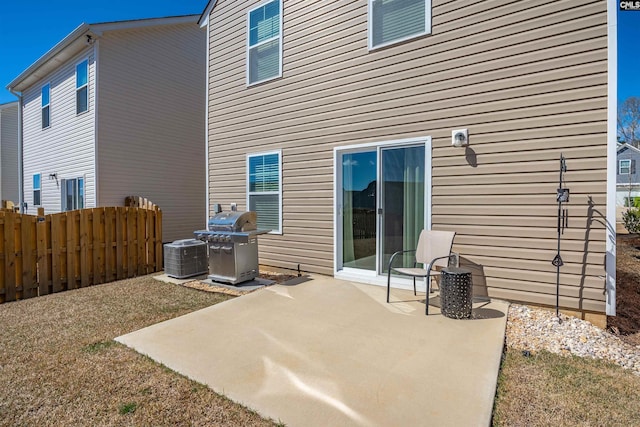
40, 255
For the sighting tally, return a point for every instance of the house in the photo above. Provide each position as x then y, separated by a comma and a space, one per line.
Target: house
117, 109
9, 152
627, 177
350, 126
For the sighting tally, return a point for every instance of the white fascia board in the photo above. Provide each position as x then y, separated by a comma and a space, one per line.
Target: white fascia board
8, 105
204, 18
59, 47
23, 81
623, 146
142, 23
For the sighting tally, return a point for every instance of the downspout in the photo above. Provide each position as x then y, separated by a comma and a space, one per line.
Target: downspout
20, 156
96, 116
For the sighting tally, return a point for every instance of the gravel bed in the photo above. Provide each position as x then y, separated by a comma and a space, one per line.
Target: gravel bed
535, 329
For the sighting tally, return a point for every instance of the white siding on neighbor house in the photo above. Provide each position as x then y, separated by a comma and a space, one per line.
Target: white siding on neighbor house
151, 122
9, 153
66, 148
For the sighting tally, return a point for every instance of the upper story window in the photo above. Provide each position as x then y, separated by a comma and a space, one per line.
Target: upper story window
46, 107
393, 21
264, 187
37, 189
264, 56
624, 167
82, 87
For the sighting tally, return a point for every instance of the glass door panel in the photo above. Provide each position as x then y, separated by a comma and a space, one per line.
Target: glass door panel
359, 198
402, 200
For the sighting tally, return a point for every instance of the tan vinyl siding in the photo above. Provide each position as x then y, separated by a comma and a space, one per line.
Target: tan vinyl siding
66, 148
9, 152
151, 122
529, 81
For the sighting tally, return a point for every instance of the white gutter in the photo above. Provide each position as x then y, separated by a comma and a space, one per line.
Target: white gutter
612, 117
20, 156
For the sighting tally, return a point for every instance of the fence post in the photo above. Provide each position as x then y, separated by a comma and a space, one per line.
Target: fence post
121, 223
29, 258
9, 257
84, 247
43, 255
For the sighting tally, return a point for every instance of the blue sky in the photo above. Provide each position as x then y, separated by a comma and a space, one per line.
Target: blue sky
30, 29
628, 57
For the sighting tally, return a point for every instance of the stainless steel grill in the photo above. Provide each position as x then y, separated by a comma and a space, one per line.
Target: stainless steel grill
233, 246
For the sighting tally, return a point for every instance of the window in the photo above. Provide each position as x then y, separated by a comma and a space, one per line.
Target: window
37, 189
46, 109
82, 87
264, 189
72, 194
264, 43
392, 21
624, 167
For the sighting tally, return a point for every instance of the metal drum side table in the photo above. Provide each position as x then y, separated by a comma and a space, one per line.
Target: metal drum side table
456, 293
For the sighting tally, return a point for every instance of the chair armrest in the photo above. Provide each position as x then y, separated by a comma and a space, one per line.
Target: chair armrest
398, 253
439, 258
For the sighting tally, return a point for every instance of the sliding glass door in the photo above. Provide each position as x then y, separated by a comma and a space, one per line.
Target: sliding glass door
359, 196
381, 204
402, 202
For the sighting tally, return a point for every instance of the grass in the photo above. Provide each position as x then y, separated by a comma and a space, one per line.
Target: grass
546, 389
59, 364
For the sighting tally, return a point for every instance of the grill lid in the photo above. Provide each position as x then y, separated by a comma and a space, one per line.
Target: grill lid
233, 222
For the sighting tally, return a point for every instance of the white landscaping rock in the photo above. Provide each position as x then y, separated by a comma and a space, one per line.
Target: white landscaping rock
535, 329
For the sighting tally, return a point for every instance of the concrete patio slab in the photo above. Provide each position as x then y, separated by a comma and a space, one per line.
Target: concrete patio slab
328, 352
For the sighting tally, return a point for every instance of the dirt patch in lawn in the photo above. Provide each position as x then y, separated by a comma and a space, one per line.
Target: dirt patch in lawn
277, 278
59, 364
626, 323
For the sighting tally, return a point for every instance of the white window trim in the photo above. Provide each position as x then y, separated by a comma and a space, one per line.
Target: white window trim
84, 85
279, 38
63, 201
266, 153
34, 189
427, 27
363, 276
42, 107
628, 161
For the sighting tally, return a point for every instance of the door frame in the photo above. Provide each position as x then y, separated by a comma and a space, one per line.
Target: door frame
364, 276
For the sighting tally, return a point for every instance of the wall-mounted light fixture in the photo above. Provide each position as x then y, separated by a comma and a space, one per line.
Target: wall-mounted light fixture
460, 137
54, 176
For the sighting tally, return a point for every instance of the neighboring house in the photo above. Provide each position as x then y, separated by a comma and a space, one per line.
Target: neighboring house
627, 174
9, 152
334, 121
117, 109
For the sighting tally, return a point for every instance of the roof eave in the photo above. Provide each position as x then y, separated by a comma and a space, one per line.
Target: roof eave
204, 18
44, 64
8, 105
17, 84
